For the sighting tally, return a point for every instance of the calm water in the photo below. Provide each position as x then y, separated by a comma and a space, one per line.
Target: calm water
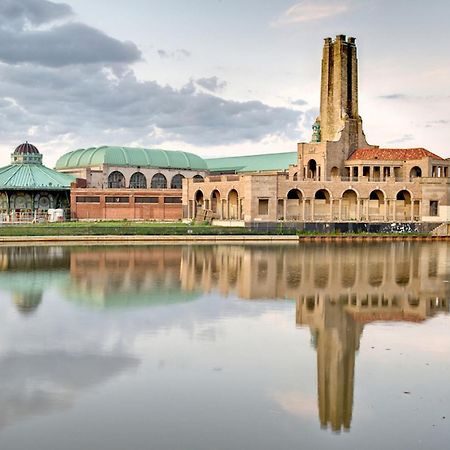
225, 347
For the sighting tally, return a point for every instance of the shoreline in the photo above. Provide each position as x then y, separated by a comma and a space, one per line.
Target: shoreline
181, 239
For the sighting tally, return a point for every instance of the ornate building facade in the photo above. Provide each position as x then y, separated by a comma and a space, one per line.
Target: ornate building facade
338, 176
29, 190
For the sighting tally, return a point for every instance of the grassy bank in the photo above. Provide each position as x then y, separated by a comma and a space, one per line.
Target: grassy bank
124, 229
154, 229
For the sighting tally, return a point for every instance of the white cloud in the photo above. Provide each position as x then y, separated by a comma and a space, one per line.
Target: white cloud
311, 10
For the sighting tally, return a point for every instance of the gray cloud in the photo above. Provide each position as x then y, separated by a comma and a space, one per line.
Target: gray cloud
178, 54
59, 45
434, 123
99, 103
71, 82
299, 102
16, 14
394, 97
212, 84
71, 43
404, 138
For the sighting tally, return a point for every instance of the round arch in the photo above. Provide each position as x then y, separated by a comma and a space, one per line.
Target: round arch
350, 205
177, 181
233, 204
377, 205
322, 203
404, 195
198, 179
159, 181
415, 172
311, 169
216, 202
403, 204
199, 198
294, 204
323, 194
334, 172
138, 181
116, 180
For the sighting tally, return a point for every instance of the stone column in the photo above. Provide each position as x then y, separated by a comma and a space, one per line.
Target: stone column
331, 209
303, 209
312, 201
285, 208
395, 210
340, 209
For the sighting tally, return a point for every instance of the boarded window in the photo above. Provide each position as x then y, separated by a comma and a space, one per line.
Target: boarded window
434, 208
146, 200
263, 206
172, 199
86, 199
117, 199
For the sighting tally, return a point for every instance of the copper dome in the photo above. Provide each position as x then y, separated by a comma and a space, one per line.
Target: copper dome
26, 149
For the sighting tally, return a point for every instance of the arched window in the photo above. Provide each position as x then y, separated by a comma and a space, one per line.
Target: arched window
377, 195
323, 194
312, 168
138, 181
233, 204
159, 181
177, 181
416, 172
294, 194
215, 201
404, 196
199, 198
116, 180
198, 178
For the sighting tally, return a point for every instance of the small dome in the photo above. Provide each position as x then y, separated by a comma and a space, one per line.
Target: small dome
26, 149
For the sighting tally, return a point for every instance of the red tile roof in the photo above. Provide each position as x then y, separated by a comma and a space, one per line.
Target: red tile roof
392, 154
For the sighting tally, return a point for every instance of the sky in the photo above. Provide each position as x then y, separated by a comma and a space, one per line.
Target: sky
215, 77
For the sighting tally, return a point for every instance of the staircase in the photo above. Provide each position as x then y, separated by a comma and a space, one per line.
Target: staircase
204, 215
441, 230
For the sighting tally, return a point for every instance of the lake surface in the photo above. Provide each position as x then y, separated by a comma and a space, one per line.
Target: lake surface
311, 346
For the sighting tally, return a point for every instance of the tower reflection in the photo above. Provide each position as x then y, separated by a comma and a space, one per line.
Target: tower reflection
338, 288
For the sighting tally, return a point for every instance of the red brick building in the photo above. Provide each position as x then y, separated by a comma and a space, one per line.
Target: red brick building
130, 204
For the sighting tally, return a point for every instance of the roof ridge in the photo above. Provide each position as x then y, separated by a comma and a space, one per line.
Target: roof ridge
252, 156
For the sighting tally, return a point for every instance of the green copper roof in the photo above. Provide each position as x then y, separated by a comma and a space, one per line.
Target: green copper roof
252, 163
130, 157
33, 176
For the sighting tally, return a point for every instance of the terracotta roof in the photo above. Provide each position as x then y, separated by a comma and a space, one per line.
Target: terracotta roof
392, 154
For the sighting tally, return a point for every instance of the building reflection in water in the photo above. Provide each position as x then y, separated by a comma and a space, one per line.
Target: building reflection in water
118, 277
337, 289
27, 271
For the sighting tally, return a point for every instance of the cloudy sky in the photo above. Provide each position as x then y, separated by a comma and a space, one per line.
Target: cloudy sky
217, 77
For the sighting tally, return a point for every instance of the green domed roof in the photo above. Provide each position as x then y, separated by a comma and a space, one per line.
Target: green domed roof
130, 157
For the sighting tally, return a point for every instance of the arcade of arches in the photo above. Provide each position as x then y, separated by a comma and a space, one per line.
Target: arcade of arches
308, 205
223, 207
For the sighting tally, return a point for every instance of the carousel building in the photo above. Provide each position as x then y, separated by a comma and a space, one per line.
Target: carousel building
29, 190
